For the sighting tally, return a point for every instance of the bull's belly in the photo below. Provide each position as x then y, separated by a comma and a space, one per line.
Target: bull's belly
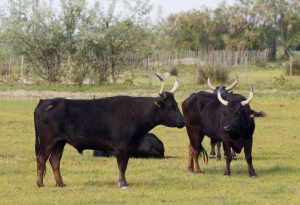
89, 142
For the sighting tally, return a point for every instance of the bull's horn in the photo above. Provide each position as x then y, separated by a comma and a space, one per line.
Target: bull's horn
175, 86
224, 102
209, 84
230, 87
251, 95
162, 82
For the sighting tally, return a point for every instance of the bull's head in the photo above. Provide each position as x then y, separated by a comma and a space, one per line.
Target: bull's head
169, 113
236, 118
222, 89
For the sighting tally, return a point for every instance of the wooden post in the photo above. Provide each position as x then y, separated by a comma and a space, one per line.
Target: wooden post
246, 69
22, 70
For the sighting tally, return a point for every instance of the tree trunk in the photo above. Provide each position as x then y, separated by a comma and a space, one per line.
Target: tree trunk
287, 54
272, 55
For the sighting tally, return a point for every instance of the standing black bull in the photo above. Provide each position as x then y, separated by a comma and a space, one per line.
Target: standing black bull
229, 121
226, 91
113, 123
149, 146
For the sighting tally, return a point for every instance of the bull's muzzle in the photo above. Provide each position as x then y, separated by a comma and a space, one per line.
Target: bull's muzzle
181, 124
227, 128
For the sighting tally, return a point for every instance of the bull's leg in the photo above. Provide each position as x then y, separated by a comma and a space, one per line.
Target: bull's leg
41, 159
191, 161
194, 165
122, 158
248, 156
219, 150
55, 162
212, 150
194, 152
233, 154
228, 157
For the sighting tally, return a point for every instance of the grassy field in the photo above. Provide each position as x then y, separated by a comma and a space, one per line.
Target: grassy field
94, 180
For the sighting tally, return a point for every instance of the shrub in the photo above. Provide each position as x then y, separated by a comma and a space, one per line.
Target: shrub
174, 71
217, 72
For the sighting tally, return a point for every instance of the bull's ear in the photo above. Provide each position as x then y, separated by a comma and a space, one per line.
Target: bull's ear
158, 103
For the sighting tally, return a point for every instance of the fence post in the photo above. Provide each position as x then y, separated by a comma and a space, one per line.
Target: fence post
246, 68
22, 78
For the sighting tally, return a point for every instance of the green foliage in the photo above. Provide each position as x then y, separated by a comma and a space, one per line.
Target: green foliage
128, 82
78, 38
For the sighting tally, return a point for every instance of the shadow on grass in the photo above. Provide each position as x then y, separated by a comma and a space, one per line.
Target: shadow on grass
278, 170
101, 183
261, 171
170, 157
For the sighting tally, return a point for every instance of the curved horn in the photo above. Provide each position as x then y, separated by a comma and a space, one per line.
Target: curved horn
162, 82
230, 87
251, 95
175, 86
209, 84
224, 102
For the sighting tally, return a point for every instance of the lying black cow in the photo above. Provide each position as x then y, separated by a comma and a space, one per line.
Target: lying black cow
229, 121
226, 91
149, 146
113, 123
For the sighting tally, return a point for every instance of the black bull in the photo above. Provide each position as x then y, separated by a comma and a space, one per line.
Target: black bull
229, 122
113, 123
149, 146
226, 90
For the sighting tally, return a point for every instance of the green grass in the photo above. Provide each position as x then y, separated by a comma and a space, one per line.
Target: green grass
94, 180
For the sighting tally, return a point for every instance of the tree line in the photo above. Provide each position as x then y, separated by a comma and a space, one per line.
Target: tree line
98, 39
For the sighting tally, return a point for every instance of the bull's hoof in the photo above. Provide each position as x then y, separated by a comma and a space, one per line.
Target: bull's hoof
253, 175
60, 185
234, 158
123, 185
218, 158
212, 156
227, 174
199, 171
190, 169
39, 184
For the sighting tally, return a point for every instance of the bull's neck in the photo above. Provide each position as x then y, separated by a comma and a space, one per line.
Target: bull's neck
150, 115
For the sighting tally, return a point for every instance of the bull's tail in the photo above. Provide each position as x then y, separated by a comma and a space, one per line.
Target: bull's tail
204, 153
37, 143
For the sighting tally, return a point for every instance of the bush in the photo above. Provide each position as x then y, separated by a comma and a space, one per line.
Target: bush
295, 68
174, 71
217, 72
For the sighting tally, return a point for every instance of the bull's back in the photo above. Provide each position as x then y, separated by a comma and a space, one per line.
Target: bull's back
193, 107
